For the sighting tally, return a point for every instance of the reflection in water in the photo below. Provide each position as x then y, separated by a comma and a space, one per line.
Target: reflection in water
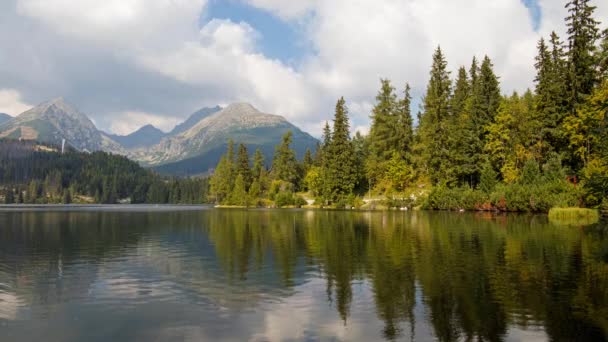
303, 275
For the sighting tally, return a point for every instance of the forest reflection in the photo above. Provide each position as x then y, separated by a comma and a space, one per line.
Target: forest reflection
475, 275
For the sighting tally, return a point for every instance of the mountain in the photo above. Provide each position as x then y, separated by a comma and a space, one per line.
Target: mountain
147, 135
199, 148
194, 119
53, 121
4, 118
193, 147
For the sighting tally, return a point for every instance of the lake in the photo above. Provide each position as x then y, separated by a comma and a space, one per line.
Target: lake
204, 274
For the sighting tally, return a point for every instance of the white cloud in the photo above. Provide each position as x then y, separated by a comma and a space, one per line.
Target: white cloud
130, 121
224, 57
286, 9
11, 102
129, 23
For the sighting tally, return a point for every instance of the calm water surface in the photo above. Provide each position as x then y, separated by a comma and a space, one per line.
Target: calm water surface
295, 275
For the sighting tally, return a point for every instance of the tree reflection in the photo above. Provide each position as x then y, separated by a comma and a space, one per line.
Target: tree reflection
469, 277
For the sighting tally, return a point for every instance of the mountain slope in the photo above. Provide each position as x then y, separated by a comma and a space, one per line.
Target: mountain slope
194, 119
199, 148
51, 122
147, 135
4, 118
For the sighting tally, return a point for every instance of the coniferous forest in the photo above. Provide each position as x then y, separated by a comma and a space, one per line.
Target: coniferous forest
31, 173
473, 146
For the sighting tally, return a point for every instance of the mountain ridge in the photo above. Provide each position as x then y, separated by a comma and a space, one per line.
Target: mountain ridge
146, 135
190, 148
4, 118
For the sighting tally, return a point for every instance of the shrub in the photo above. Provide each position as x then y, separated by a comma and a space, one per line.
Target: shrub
573, 216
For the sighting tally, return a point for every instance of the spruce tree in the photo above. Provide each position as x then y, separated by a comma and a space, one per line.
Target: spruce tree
308, 161
221, 180
284, 164
582, 35
551, 96
341, 175
239, 194
242, 165
404, 125
383, 132
486, 95
460, 136
258, 164
602, 57
435, 122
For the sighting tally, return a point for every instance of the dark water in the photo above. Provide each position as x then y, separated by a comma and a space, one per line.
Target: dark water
210, 275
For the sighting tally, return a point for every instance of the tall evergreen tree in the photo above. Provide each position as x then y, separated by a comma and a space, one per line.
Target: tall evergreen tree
551, 96
582, 35
486, 95
341, 172
258, 164
242, 165
383, 132
308, 160
435, 121
284, 164
404, 125
602, 56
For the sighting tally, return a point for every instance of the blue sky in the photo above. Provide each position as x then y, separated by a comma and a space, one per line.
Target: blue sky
278, 38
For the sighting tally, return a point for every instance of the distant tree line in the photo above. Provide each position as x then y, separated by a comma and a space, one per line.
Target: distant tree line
473, 147
31, 173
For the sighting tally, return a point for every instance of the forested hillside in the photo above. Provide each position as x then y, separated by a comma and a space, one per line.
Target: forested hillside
34, 173
474, 147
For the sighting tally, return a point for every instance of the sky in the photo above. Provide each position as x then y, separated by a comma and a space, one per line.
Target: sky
128, 63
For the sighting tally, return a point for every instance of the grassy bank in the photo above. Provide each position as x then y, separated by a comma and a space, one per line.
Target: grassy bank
571, 216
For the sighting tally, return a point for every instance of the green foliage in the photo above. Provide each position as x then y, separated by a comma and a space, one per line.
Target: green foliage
488, 179
339, 170
284, 164
435, 122
242, 166
40, 176
574, 215
239, 195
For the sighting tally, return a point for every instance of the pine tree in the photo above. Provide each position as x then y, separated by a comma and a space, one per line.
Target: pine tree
383, 133
460, 136
405, 130
242, 165
254, 191
602, 57
284, 164
551, 96
221, 180
462, 92
308, 161
258, 164
341, 172
486, 95
239, 194
481, 109
435, 122
582, 35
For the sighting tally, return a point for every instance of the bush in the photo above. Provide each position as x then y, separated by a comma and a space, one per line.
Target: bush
514, 197
287, 198
443, 198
